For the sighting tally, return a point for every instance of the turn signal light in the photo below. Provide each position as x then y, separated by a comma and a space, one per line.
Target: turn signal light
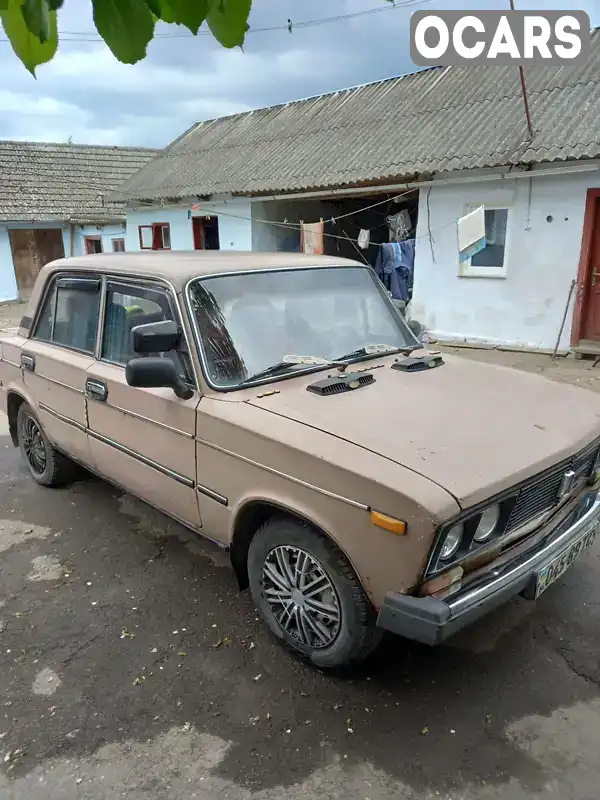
388, 523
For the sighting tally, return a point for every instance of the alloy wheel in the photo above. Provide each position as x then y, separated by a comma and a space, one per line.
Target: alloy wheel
34, 447
301, 596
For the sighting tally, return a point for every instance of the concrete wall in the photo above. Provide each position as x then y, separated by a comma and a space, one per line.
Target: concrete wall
526, 306
235, 224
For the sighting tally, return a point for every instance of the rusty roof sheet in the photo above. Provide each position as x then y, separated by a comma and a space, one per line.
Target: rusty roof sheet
434, 120
44, 182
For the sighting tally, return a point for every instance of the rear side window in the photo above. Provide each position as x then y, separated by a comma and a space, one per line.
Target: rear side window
69, 316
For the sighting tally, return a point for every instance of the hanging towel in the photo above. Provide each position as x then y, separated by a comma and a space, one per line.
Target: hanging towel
363, 238
471, 234
311, 237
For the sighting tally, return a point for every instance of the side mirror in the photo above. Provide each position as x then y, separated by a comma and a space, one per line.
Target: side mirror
156, 337
154, 372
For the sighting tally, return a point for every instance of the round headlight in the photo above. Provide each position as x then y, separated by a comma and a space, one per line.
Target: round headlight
487, 523
452, 542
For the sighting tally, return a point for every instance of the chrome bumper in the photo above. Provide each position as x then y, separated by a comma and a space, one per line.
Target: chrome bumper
431, 621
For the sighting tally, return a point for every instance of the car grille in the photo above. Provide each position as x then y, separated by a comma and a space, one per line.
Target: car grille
541, 494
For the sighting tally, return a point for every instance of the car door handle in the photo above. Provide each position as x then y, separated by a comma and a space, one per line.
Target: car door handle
28, 362
96, 389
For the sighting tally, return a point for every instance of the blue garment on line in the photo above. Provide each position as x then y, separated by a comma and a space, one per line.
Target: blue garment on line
394, 267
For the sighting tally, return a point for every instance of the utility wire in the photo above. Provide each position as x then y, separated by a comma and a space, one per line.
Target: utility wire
90, 36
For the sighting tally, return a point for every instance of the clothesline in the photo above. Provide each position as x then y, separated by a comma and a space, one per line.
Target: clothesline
296, 226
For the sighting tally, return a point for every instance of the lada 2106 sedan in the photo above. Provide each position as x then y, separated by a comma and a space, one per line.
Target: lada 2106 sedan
279, 405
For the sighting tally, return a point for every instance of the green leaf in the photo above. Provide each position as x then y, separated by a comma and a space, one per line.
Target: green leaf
228, 21
55, 4
190, 13
36, 14
28, 47
126, 26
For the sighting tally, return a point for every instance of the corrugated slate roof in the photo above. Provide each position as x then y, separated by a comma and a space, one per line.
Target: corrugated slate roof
435, 120
44, 182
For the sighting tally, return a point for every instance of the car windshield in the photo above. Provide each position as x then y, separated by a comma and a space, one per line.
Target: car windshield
249, 322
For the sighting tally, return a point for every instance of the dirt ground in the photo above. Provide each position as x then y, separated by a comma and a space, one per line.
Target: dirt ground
130, 666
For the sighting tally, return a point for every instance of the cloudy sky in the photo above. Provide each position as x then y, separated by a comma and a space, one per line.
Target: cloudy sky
86, 95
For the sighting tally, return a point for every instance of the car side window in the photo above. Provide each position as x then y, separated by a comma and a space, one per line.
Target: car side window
69, 316
128, 306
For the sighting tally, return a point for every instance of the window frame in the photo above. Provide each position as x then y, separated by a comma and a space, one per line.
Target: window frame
142, 285
154, 227
51, 283
118, 239
466, 268
95, 238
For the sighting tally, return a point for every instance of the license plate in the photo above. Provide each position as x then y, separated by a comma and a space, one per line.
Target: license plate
553, 571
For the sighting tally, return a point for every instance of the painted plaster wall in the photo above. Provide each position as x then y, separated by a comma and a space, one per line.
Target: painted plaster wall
235, 224
106, 232
526, 307
8, 283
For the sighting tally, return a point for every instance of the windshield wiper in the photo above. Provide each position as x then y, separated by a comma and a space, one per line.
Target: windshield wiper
285, 364
377, 350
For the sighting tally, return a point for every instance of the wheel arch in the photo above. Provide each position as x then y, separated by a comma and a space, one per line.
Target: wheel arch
14, 401
251, 515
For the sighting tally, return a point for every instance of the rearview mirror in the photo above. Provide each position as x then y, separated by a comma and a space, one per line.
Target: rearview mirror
154, 372
156, 337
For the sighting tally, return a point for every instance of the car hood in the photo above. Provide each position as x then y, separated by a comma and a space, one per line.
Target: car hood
475, 429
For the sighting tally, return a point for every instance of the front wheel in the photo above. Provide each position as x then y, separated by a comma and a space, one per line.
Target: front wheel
309, 595
47, 466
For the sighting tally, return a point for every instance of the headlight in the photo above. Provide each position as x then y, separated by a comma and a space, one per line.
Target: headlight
487, 523
452, 541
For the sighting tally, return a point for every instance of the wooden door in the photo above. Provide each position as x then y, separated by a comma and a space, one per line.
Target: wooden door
198, 231
591, 327
50, 245
32, 248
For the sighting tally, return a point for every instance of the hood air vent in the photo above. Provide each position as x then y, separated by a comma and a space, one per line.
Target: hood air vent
418, 364
341, 383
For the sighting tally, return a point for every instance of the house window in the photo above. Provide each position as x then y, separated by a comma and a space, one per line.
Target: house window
118, 245
93, 244
155, 237
491, 261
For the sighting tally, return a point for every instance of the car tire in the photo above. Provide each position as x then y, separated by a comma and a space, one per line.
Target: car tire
46, 465
345, 633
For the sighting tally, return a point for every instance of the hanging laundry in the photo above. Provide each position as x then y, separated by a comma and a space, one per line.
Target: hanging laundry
311, 237
395, 266
400, 225
364, 238
471, 234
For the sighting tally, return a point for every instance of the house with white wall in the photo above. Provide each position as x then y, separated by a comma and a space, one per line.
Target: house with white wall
53, 202
438, 143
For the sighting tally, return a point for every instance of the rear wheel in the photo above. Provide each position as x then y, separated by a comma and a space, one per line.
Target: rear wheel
308, 594
47, 466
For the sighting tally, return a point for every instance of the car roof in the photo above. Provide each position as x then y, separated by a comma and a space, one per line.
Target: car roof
180, 267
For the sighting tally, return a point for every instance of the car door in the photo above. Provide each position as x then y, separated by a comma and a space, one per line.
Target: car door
142, 439
56, 358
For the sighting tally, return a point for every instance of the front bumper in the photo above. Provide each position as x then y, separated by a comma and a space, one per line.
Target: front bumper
431, 620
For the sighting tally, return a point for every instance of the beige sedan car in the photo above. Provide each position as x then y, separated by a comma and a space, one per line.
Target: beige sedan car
279, 405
